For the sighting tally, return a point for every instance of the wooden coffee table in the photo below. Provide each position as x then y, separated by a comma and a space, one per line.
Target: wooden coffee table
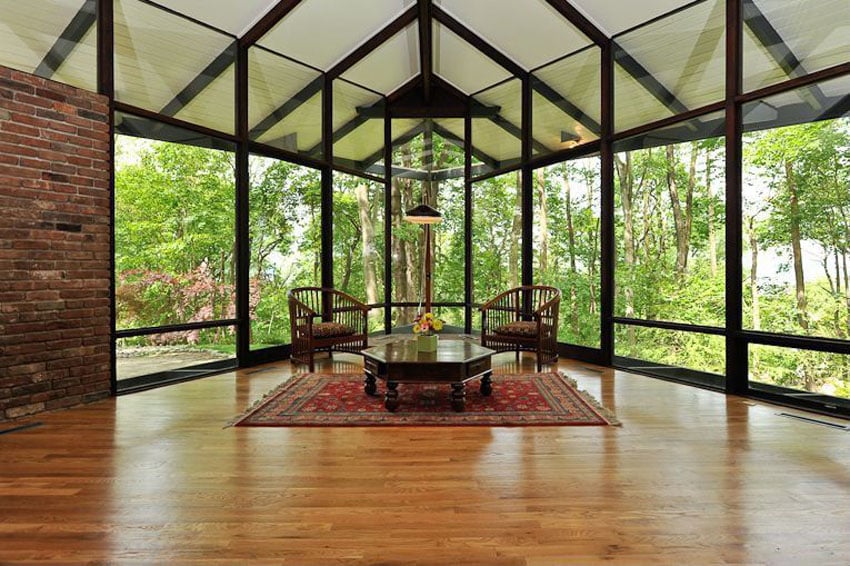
455, 362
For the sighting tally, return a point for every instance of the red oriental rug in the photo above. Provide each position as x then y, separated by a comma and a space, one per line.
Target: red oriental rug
339, 400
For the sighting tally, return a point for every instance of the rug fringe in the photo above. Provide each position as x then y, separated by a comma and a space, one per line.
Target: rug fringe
603, 411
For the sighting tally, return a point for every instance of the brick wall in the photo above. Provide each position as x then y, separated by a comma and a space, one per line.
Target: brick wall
54, 245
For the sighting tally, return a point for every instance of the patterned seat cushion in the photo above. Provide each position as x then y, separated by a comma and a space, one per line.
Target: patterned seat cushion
331, 330
521, 328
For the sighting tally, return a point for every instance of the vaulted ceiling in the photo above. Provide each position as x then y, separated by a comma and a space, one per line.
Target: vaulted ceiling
177, 58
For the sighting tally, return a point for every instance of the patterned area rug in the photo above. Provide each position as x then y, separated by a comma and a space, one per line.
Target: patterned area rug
339, 400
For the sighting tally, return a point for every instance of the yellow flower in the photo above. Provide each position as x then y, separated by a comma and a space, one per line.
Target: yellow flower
428, 316
438, 325
416, 328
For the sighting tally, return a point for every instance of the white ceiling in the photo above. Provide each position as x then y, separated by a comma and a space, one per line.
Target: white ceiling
237, 16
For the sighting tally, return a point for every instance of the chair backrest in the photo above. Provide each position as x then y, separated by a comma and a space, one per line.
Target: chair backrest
538, 295
310, 297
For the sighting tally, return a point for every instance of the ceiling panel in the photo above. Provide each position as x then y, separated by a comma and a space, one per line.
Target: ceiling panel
394, 63
461, 64
232, 16
322, 32
508, 25
615, 16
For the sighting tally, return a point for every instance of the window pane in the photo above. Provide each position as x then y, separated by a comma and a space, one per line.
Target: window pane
429, 170
567, 244
497, 129
795, 214
173, 352
358, 126
671, 65
673, 348
285, 243
818, 373
196, 84
496, 236
566, 100
284, 103
56, 40
174, 233
670, 226
785, 39
359, 242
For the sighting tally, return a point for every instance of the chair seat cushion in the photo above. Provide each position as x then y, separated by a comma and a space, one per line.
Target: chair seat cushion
522, 328
331, 330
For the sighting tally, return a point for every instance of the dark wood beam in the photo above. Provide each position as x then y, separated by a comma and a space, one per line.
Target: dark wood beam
580, 21
648, 81
83, 21
779, 51
425, 48
405, 19
267, 22
196, 86
287, 108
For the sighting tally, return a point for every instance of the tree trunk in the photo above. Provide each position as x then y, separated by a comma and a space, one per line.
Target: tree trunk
754, 262
796, 248
571, 240
680, 217
712, 235
624, 170
367, 238
516, 236
543, 222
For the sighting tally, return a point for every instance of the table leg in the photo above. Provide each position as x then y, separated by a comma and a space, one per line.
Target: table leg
458, 396
369, 384
391, 397
487, 384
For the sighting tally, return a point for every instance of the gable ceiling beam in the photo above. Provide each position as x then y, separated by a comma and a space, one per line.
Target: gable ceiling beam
76, 30
580, 21
196, 86
267, 22
779, 51
281, 112
648, 81
405, 19
426, 67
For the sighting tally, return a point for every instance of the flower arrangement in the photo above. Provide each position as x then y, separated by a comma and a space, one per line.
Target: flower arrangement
427, 324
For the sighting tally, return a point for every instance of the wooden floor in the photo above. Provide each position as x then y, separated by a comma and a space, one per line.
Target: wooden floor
692, 477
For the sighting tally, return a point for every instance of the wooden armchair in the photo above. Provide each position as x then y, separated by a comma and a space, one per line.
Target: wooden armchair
523, 319
325, 320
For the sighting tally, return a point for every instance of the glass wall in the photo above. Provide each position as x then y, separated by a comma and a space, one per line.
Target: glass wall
496, 237
796, 226
670, 237
428, 169
174, 244
358, 255
285, 243
567, 217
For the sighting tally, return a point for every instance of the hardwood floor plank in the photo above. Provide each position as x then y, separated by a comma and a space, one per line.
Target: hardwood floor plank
692, 477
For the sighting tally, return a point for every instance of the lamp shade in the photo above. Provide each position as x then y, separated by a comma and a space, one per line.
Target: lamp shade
423, 214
